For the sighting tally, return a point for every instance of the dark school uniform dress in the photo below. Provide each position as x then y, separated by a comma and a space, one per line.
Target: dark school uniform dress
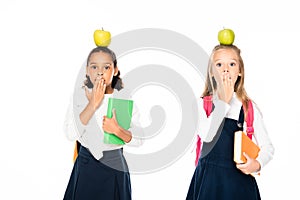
107, 178
216, 176
100, 171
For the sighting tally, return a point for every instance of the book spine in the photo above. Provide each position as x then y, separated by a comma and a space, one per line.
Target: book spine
238, 147
109, 108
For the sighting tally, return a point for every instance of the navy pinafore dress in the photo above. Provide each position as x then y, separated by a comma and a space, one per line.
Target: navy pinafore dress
104, 179
216, 176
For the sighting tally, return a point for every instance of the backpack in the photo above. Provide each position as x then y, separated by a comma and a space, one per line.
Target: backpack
208, 106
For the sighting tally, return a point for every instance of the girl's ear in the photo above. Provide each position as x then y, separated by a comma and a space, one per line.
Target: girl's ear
116, 70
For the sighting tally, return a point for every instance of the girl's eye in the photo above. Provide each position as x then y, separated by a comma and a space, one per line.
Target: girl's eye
94, 67
218, 64
232, 64
106, 67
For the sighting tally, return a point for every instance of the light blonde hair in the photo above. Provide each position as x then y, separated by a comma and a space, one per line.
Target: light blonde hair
210, 83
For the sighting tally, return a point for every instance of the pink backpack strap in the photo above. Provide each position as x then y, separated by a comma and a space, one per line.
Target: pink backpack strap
249, 119
207, 105
198, 149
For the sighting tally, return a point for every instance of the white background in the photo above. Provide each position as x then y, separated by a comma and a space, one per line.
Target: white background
44, 43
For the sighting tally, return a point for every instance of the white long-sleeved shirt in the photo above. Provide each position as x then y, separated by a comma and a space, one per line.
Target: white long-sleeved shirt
91, 135
208, 126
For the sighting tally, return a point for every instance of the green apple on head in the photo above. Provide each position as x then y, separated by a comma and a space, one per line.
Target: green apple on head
226, 36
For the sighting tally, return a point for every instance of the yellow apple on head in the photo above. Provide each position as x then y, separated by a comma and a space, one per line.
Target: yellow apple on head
102, 38
226, 36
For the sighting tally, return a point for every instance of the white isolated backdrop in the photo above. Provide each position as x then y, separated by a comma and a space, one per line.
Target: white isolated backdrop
44, 43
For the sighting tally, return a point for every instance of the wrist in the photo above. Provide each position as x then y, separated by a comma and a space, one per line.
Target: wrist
118, 131
91, 107
258, 166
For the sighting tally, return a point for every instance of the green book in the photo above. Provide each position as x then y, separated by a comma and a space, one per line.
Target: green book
123, 109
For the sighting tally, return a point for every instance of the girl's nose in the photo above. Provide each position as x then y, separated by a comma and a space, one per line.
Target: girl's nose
100, 73
225, 69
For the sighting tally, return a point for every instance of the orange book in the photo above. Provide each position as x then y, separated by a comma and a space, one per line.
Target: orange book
75, 152
242, 143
